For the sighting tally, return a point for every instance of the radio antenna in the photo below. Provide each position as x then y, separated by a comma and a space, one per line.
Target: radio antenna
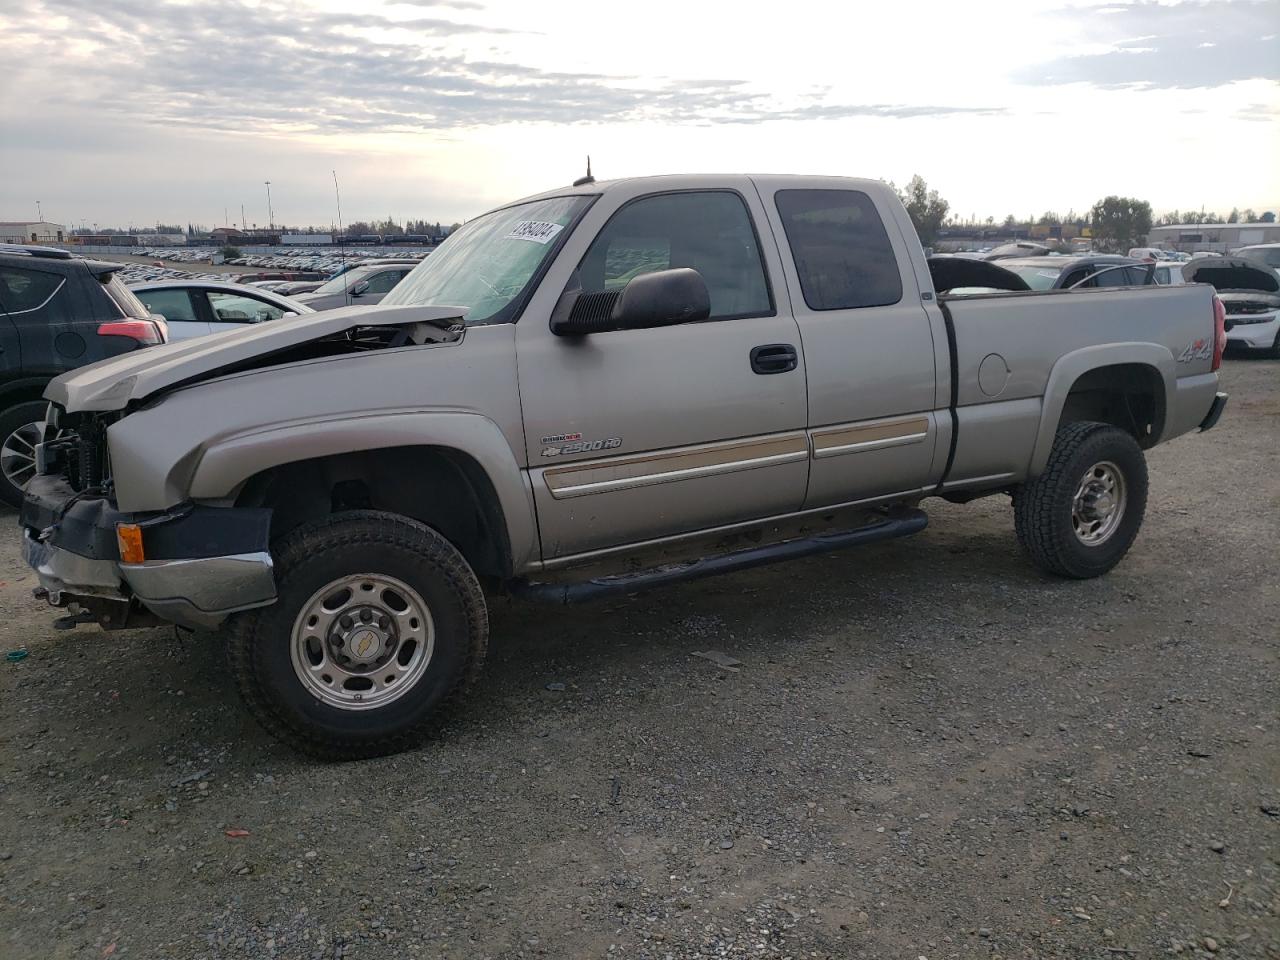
342, 246
583, 181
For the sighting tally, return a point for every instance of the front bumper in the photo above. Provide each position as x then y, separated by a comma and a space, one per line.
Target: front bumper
1254, 336
203, 563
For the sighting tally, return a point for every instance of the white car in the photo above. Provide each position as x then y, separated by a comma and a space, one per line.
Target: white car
1249, 289
196, 308
1268, 253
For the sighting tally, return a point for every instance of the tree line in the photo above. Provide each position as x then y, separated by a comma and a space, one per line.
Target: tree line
1116, 223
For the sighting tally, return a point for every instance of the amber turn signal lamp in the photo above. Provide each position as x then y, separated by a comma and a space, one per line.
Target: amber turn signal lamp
129, 539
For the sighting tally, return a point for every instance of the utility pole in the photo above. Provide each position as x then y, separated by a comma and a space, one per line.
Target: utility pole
271, 217
242, 226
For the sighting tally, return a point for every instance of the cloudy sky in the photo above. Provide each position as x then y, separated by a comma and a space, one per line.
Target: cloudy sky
118, 111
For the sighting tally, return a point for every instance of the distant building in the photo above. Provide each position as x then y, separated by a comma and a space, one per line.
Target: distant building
31, 231
234, 237
1214, 237
104, 240
162, 239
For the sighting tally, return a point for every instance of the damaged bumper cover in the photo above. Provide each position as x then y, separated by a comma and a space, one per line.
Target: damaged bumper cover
201, 564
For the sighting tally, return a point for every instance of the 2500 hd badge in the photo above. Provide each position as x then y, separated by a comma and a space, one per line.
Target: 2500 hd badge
573, 443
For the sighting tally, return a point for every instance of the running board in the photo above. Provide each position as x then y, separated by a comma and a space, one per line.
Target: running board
900, 523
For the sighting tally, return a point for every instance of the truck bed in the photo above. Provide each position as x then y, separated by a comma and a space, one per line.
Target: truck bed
1014, 354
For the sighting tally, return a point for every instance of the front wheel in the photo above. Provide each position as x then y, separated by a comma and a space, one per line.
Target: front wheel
1079, 518
379, 623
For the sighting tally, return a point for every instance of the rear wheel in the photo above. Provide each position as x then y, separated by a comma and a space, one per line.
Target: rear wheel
21, 428
379, 623
1079, 518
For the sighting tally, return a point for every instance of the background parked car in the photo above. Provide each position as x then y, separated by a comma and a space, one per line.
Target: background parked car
1268, 253
1250, 290
365, 284
1060, 273
1171, 273
195, 308
57, 312
1020, 248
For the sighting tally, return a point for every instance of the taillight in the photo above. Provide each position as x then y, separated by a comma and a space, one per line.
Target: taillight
1219, 331
146, 332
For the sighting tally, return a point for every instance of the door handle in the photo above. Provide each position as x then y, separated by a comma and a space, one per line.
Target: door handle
773, 358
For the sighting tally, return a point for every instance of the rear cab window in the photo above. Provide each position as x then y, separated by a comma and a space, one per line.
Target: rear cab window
842, 252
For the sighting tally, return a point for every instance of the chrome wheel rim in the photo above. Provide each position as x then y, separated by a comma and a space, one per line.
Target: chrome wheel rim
1099, 503
362, 641
18, 453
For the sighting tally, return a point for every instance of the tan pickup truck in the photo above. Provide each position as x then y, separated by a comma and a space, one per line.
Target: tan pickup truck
597, 390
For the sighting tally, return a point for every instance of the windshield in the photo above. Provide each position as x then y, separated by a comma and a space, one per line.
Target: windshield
1038, 278
340, 283
487, 264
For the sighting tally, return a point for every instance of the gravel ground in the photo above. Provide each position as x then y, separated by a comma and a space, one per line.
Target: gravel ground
927, 750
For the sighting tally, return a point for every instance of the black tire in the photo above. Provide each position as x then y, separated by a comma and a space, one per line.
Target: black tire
1274, 352
343, 545
13, 446
1043, 507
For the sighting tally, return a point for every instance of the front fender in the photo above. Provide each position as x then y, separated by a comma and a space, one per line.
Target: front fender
228, 462
1070, 367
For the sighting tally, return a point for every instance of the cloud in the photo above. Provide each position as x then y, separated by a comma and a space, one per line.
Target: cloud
1184, 45
278, 67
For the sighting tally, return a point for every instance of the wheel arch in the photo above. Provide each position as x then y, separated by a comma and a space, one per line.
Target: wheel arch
22, 390
455, 472
1130, 385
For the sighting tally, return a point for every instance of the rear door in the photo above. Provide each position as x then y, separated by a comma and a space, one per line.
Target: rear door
42, 333
870, 347
10, 345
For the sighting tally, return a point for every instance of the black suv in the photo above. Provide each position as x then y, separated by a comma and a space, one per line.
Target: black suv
57, 312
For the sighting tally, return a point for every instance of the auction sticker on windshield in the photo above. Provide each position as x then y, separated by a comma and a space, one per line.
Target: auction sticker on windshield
539, 231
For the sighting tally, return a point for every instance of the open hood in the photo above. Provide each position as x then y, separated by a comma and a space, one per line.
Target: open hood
112, 384
951, 273
1233, 274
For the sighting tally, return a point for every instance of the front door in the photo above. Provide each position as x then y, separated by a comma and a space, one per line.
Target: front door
642, 434
871, 349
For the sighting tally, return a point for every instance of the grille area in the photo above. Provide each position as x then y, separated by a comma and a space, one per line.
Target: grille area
78, 453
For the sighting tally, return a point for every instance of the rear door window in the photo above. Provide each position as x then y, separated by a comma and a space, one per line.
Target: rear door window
171, 304
1110, 276
23, 290
841, 249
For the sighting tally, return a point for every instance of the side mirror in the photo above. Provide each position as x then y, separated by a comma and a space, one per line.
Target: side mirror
660, 299
287, 313
360, 288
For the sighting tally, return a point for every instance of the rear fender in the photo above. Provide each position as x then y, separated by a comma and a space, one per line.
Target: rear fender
1072, 366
